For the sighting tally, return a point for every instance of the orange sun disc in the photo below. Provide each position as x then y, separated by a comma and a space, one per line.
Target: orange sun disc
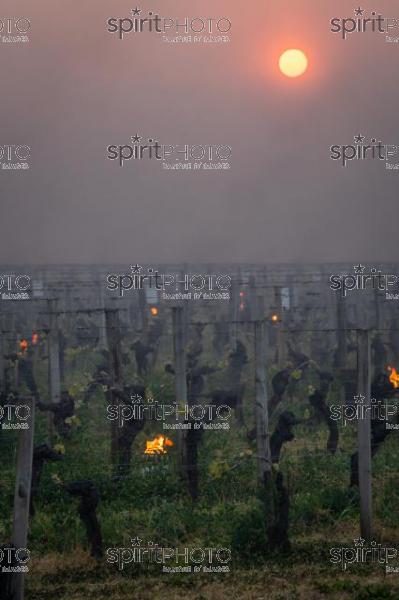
293, 62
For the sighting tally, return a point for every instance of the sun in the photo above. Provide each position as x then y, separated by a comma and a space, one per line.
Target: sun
293, 62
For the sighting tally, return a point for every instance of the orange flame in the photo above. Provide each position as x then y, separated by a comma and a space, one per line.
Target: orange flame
154, 311
394, 376
35, 338
23, 345
157, 445
274, 318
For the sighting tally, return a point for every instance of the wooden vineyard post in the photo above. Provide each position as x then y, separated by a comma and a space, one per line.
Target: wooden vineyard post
261, 310
341, 343
364, 434
261, 408
341, 333
377, 306
234, 311
15, 348
2, 360
252, 298
102, 339
22, 494
184, 278
115, 367
54, 362
179, 355
279, 326
143, 310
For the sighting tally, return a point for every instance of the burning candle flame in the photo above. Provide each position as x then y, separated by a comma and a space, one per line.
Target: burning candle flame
23, 345
158, 445
393, 377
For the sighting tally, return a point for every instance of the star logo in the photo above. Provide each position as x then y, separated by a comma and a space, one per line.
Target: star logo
136, 399
136, 139
136, 541
135, 268
136, 11
359, 399
359, 11
359, 138
359, 542
359, 269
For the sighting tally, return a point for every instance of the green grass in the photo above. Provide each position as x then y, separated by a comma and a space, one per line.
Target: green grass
154, 505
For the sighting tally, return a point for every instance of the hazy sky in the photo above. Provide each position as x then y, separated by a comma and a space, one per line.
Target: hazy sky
74, 89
